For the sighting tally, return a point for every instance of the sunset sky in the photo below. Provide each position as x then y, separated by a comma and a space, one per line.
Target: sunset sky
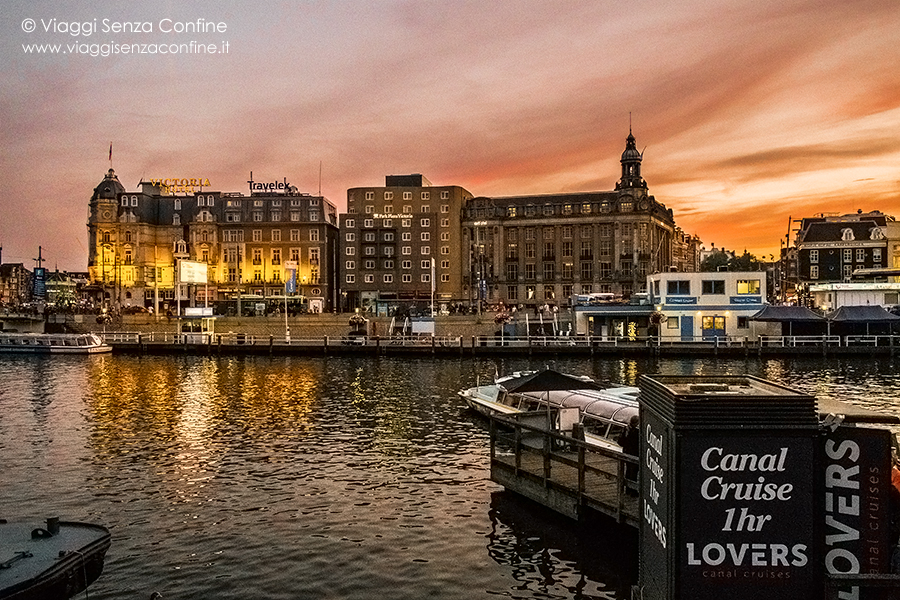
749, 113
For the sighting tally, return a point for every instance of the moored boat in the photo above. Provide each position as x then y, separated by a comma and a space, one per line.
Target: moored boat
52, 562
604, 409
52, 343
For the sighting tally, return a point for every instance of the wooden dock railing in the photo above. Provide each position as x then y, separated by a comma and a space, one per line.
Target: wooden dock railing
561, 471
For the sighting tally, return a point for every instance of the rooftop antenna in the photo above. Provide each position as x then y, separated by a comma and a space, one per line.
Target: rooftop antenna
39, 260
320, 178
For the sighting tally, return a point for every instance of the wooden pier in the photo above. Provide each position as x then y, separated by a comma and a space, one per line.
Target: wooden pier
559, 471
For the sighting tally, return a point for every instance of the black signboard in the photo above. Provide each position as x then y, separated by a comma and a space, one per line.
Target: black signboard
856, 495
656, 470
745, 517
39, 289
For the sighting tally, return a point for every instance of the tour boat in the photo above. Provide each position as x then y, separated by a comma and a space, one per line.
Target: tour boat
49, 562
604, 410
52, 343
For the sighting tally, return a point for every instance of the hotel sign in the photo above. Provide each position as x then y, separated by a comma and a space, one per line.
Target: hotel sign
183, 185
391, 216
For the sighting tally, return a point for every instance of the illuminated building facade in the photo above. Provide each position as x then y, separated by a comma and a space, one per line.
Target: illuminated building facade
137, 238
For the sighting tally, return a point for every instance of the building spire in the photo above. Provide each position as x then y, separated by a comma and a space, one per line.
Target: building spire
631, 163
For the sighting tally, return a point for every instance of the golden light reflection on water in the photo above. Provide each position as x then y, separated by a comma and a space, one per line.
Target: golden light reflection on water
180, 419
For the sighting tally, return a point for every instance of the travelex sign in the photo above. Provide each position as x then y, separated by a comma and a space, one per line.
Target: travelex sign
184, 185
269, 186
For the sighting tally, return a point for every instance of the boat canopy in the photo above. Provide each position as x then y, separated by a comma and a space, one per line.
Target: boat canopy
548, 380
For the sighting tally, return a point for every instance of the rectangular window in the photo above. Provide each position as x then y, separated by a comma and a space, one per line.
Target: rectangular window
860, 255
351, 278
512, 272
549, 271
743, 323
587, 271
813, 256
257, 235
748, 286
672, 323
678, 288
814, 272
314, 235
388, 278
714, 287
848, 255
530, 272
276, 235
350, 237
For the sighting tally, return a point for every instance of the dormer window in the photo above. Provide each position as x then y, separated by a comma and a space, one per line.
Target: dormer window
847, 235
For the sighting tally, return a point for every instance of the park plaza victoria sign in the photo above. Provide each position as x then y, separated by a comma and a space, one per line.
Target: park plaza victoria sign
183, 185
726, 500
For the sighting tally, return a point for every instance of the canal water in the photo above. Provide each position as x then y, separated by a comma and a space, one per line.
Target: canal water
326, 477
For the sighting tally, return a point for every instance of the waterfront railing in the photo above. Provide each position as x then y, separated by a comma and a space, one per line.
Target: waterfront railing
500, 344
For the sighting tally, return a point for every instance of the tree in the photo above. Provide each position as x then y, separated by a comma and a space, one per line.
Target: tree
720, 258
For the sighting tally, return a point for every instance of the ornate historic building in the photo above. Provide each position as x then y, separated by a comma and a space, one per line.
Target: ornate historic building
542, 249
137, 239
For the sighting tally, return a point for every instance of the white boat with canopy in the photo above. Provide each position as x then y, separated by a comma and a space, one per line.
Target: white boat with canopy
604, 409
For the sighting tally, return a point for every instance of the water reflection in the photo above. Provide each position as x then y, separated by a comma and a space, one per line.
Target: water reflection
553, 557
286, 477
